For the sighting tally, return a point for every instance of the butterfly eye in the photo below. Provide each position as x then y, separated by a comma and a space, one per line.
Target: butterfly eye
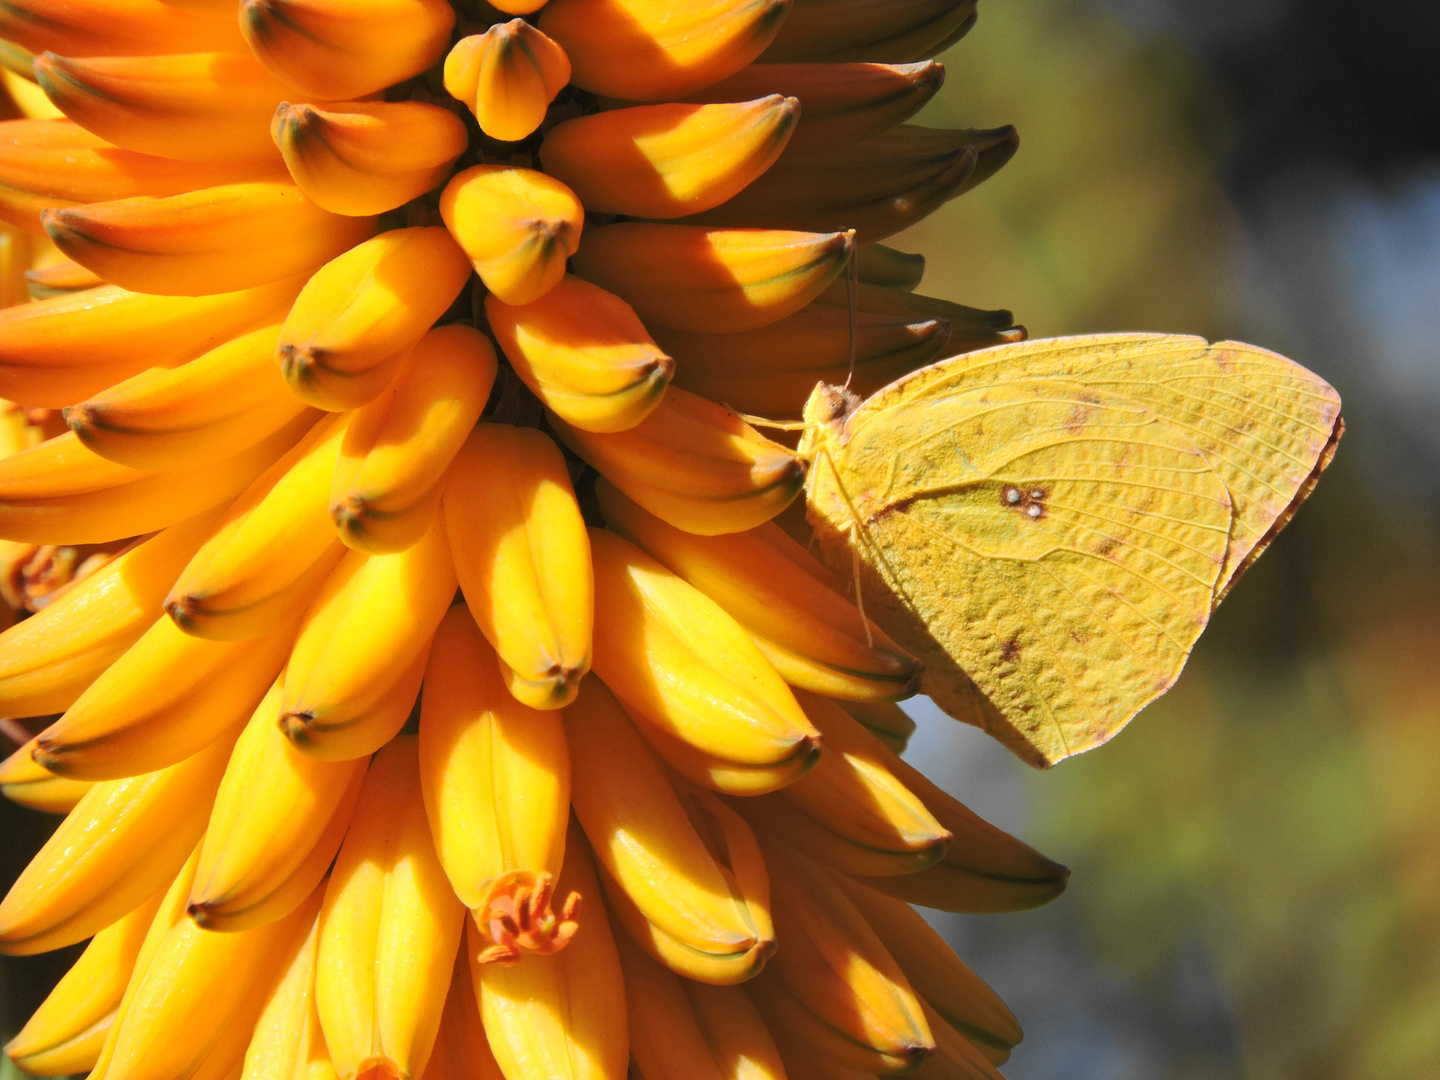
1013, 496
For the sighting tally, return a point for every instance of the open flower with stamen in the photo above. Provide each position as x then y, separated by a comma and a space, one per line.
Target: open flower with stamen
516, 912
445, 698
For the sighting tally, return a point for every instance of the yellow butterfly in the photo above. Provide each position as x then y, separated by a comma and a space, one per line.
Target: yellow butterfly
1048, 525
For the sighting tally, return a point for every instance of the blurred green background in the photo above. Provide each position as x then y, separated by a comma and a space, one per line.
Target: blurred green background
1256, 889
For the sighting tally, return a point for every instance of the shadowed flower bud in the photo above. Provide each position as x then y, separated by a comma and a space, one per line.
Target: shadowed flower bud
345, 49
366, 157
507, 77
517, 225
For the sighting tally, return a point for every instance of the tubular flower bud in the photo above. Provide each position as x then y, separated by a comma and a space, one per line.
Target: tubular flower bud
885, 720
104, 28
705, 914
62, 350
983, 869
712, 280
665, 161
270, 791
876, 264
815, 637
652, 50
462, 1051
771, 371
124, 841
517, 226
59, 279
507, 77
25, 782
918, 169
195, 992
365, 157
444, 702
767, 371
62, 492
235, 588
848, 998
57, 163
948, 986
51, 657
356, 318
685, 668
339, 50
850, 812
968, 328
522, 555
194, 106
496, 779
67, 1032
389, 929
294, 1046
676, 1023
839, 103
356, 667
166, 417
585, 354
386, 483
883, 31
214, 240
694, 464
168, 697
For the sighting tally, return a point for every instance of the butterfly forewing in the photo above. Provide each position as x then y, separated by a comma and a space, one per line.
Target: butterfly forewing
1263, 421
1048, 525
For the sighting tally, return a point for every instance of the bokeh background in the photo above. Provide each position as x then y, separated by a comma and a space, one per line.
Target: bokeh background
1256, 890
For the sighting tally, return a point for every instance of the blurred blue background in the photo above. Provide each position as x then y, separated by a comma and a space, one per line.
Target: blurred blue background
1256, 889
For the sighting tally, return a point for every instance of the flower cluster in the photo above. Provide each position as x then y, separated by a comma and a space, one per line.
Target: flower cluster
351, 304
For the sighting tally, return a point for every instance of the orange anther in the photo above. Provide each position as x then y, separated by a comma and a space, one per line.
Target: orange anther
516, 914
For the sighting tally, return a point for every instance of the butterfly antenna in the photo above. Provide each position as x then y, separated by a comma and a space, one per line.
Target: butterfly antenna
15, 731
852, 299
779, 425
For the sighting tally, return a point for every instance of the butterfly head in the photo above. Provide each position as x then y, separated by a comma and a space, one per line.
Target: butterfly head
830, 404
824, 417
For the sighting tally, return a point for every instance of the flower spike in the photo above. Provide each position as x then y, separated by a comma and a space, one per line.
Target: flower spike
422, 563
